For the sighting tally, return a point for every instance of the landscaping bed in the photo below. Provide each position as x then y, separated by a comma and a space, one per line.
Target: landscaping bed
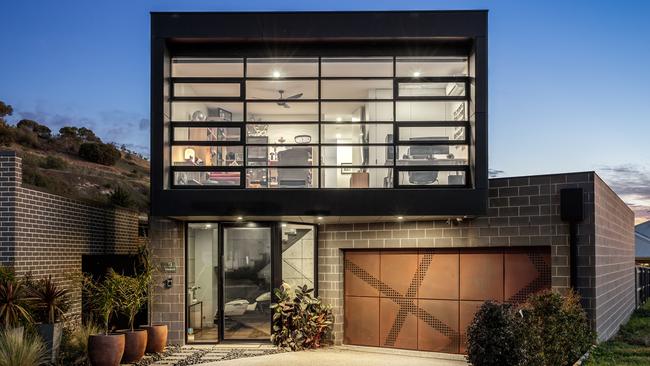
631, 346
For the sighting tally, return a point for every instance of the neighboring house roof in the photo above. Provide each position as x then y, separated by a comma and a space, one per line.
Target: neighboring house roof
642, 238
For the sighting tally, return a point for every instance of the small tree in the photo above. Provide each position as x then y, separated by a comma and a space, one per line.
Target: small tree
102, 297
131, 295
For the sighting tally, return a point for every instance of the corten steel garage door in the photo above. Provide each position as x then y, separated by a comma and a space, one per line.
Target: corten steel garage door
425, 299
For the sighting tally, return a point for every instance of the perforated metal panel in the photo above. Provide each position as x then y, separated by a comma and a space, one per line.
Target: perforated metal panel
425, 299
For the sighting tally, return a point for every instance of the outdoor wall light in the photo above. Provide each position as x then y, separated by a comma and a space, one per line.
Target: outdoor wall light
239, 218
319, 218
207, 226
416, 74
400, 217
276, 74
284, 225
339, 119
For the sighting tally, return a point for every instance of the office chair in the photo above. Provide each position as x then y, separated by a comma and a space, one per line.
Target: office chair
423, 178
293, 178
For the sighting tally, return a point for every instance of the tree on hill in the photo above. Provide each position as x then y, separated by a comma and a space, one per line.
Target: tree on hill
42, 131
100, 153
5, 110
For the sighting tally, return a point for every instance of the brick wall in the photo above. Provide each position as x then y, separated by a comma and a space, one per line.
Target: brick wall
614, 262
46, 234
523, 211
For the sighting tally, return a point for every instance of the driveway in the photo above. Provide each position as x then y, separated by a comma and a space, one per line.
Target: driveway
353, 356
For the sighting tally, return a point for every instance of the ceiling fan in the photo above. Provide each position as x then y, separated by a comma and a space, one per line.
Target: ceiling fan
283, 100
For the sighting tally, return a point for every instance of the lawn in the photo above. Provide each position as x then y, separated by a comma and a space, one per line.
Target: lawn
630, 347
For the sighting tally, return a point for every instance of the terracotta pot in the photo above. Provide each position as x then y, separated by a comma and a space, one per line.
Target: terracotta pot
105, 349
156, 337
135, 344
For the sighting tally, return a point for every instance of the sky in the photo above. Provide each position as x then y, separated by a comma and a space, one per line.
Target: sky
569, 82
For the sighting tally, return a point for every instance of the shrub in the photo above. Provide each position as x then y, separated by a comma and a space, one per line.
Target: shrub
100, 153
120, 197
556, 328
18, 349
300, 321
493, 337
74, 344
54, 162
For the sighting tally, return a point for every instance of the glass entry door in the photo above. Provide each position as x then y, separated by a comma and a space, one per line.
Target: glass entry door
203, 281
246, 282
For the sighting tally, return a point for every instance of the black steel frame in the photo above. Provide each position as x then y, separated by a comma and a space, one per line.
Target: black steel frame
276, 268
318, 165
319, 35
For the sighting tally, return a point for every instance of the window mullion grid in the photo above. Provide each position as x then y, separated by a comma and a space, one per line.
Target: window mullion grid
244, 132
320, 137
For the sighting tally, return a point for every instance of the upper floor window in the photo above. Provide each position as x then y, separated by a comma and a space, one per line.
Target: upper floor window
330, 122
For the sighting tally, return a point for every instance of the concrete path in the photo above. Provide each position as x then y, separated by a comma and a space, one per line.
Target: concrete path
352, 356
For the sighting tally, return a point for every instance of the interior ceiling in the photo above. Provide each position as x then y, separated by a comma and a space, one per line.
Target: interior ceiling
316, 220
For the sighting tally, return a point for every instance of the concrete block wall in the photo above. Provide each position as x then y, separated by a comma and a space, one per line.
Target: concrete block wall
168, 304
614, 262
45, 234
523, 211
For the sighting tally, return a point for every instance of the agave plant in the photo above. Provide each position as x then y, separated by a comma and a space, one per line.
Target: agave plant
14, 303
17, 349
51, 301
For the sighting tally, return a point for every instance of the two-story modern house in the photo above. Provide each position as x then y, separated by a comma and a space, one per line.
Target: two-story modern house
347, 151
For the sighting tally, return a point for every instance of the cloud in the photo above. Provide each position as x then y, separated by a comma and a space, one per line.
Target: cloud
493, 173
632, 183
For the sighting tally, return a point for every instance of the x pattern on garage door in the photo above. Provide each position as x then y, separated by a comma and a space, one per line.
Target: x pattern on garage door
425, 299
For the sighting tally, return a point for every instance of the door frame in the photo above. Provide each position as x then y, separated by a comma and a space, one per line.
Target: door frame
276, 268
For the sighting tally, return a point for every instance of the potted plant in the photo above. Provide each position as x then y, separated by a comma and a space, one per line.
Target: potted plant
14, 304
132, 295
51, 302
156, 333
104, 349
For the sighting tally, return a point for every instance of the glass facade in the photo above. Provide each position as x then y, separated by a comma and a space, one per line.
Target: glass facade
344, 122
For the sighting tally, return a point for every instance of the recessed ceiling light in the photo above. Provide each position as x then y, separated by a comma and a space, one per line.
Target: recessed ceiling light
207, 226
400, 217
240, 218
319, 218
416, 74
284, 225
339, 119
276, 74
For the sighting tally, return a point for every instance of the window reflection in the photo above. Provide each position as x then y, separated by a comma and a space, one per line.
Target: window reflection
298, 243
